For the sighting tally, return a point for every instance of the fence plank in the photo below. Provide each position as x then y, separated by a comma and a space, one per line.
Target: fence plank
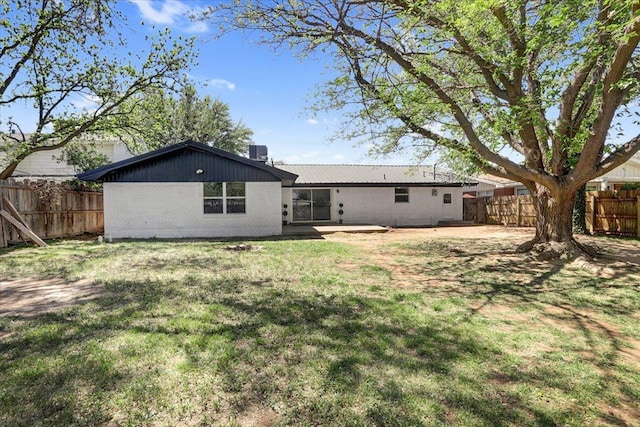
51, 211
3, 236
607, 212
20, 226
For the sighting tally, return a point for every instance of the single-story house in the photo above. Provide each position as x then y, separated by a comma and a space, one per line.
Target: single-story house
194, 190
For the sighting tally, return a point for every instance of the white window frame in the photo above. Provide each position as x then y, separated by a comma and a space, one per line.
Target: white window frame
224, 199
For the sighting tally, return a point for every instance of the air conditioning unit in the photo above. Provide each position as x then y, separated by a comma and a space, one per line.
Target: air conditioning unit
258, 152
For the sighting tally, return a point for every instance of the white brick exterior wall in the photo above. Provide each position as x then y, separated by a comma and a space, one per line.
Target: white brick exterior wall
376, 205
175, 210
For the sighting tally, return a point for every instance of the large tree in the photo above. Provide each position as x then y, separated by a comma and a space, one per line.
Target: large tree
168, 119
544, 80
57, 55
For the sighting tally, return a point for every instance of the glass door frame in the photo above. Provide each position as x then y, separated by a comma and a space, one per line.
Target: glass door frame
310, 203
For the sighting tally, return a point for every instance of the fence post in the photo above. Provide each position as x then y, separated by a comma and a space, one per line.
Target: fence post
638, 217
593, 214
518, 212
3, 237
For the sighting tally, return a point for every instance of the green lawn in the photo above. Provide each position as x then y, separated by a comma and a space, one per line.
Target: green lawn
322, 332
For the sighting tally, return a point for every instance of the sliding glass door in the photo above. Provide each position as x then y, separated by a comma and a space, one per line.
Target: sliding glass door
311, 205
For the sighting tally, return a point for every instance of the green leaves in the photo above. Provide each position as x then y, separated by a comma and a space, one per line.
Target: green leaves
161, 119
492, 80
65, 60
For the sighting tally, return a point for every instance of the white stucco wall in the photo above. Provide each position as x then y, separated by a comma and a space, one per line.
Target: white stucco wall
175, 210
376, 205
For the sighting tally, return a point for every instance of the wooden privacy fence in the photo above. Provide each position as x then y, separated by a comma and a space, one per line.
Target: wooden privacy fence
607, 212
50, 210
505, 210
616, 213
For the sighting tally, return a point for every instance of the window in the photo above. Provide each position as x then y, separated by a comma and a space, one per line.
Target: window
213, 197
224, 197
402, 194
236, 200
446, 198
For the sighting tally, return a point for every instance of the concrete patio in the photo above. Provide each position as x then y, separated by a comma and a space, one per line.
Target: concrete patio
318, 230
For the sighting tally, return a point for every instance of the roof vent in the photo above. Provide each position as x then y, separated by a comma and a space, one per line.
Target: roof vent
258, 152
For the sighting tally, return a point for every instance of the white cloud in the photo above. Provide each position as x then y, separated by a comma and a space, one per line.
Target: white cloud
197, 27
312, 121
310, 154
221, 83
339, 157
171, 12
86, 102
164, 15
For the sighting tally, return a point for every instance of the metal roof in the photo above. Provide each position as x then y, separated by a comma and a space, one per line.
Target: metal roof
374, 175
188, 161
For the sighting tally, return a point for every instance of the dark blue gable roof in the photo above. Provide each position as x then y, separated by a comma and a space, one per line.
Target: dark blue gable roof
189, 161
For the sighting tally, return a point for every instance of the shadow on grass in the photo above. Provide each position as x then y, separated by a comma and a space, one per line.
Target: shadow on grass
205, 347
315, 358
564, 296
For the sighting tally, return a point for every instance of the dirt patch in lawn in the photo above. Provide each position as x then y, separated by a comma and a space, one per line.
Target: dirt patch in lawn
409, 274
613, 249
27, 298
403, 234
620, 256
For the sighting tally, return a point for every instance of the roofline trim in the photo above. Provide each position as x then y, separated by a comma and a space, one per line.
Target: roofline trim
97, 175
385, 184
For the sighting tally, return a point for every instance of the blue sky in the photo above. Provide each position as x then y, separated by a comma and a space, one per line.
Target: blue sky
266, 90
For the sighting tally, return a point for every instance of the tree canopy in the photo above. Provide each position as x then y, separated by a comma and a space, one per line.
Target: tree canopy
59, 55
167, 119
527, 90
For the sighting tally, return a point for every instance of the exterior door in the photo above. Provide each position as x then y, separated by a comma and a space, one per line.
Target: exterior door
311, 205
301, 205
321, 205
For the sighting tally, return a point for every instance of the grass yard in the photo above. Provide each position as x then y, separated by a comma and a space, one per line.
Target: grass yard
405, 329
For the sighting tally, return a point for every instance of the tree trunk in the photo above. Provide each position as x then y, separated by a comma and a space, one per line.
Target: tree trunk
8, 171
554, 216
554, 226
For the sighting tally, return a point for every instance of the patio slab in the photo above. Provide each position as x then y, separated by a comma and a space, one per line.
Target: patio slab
315, 230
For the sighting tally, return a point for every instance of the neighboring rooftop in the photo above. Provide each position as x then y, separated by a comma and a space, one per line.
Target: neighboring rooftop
379, 175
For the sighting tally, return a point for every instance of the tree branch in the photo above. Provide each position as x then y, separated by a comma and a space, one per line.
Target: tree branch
612, 96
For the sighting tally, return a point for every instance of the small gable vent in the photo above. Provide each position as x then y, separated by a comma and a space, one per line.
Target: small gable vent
258, 152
